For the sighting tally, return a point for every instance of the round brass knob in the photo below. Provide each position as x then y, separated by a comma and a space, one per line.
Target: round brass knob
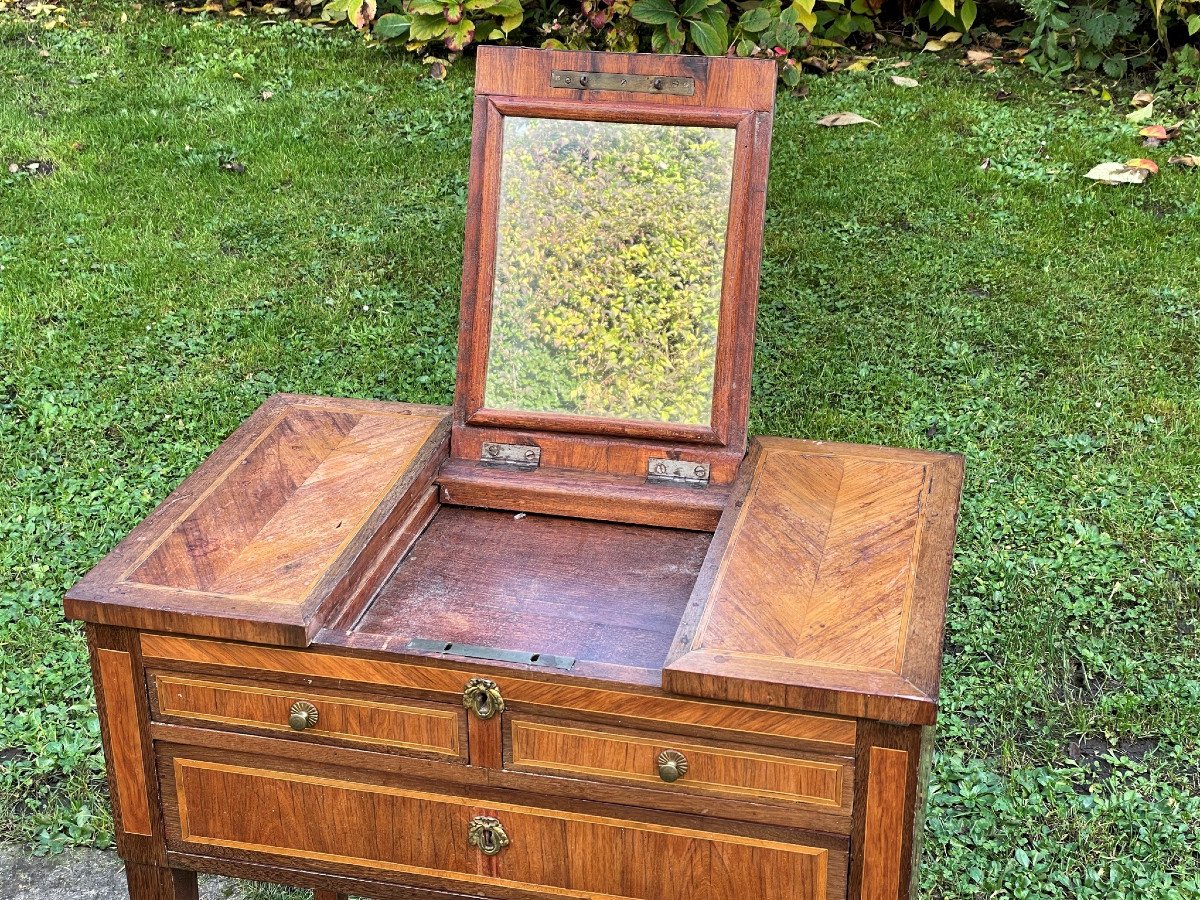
672, 765
302, 715
488, 835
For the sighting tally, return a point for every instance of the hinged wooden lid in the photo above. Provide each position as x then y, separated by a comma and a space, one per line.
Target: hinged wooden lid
825, 585
614, 234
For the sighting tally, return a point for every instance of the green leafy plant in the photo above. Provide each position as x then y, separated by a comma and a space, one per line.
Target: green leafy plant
454, 24
704, 24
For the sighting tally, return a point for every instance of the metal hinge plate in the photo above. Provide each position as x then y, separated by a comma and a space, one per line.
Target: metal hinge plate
677, 471
474, 651
678, 85
512, 456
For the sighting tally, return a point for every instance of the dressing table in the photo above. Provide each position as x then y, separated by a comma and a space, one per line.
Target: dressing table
574, 636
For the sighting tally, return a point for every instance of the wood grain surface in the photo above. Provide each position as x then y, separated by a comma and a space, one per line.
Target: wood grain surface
419, 728
546, 693
551, 853
886, 795
116, 676
826, 583
590, 590
257, 543
557, 748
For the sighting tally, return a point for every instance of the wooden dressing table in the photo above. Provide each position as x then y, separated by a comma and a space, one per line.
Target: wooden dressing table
569, 638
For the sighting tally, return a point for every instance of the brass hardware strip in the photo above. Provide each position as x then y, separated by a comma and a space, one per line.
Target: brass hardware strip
676, 85
474, 651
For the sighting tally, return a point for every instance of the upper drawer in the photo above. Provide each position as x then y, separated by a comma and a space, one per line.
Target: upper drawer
551, 747
411, 728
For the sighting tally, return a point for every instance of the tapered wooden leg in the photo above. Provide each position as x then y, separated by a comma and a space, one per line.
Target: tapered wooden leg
329, 895
158, 883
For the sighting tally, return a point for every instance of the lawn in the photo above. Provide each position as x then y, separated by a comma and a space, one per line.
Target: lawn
237, 208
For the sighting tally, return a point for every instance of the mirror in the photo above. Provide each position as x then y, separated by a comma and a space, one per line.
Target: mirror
610, 253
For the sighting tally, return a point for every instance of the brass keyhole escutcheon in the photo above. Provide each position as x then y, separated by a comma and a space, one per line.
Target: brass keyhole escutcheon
672, 765
302, 715
482, 696
488, 835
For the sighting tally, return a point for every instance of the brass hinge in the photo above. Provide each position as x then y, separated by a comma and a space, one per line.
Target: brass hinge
677, 471
511, 456
677, 85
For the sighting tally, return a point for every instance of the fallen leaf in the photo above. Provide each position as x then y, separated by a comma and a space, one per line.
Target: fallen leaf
1141, 98
815, 63
951, 37
232, 165
13, 168
1118, 173
1191, 162
844, 118
901, 64
266, 95
935, 46
437, 70
860, 64
978, 57
1141, 115
1148, 164
1004, 96
905, 82
986, 164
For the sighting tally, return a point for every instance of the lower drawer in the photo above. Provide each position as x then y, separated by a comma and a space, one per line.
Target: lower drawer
246, 808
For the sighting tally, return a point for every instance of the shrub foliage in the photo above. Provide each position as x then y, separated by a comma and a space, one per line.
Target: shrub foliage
1109, 36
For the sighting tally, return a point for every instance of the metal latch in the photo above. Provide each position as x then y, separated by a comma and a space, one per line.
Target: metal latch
512, 456
678, 85
677, 471
474, 651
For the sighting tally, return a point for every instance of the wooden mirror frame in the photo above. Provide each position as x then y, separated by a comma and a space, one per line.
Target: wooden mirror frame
728, 93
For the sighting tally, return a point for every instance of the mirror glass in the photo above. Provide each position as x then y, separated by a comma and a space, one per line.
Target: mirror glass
610, 250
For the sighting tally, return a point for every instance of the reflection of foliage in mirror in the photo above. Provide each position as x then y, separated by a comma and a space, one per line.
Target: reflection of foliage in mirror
609, 257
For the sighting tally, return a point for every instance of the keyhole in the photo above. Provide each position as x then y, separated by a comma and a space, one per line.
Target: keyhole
482, 706
489, 843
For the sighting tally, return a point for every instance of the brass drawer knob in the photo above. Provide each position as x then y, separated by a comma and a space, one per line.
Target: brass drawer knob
302, 715
483, 696
488, 835
672, 765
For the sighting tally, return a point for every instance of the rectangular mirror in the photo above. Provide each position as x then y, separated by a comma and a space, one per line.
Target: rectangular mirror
610, 253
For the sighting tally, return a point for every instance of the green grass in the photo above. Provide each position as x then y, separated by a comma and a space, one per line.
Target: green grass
1044, 326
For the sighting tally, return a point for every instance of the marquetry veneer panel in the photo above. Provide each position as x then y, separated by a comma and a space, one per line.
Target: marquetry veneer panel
416, 836
259, 542
555, 748
818, 732
825, 585
409, 728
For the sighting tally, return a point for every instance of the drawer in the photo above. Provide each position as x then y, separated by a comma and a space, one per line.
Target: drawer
686, 765
411, 727
245, 808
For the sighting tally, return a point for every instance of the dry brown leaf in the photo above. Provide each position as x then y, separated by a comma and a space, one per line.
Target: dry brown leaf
1118, 173
901, 64
1141, 98
905, 82
844, 118
986, 164
1191, 162
978, 57
266, 95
